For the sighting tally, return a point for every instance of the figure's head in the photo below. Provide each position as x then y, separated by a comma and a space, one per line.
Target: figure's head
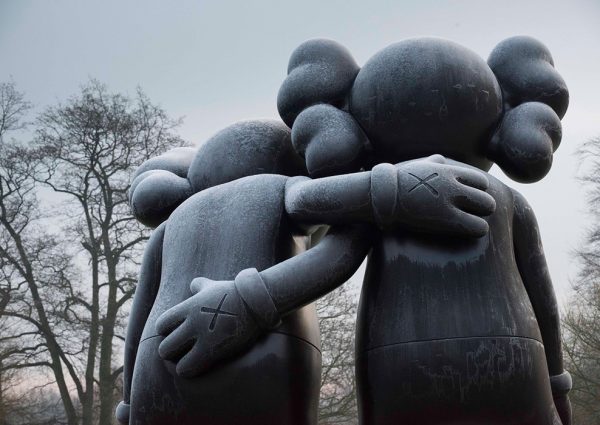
243, 149
425, 96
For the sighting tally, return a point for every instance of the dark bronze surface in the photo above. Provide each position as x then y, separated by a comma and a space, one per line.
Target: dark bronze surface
458, 322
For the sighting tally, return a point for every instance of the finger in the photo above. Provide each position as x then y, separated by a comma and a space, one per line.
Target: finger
470, 225
122, 413
177, 343
195, 362
474, 201
472, 178
170, 320
437, 158
198, 284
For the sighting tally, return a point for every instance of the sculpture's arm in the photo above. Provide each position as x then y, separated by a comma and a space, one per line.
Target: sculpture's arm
143, 300
533, 269
423, 195
304, 278
255, 302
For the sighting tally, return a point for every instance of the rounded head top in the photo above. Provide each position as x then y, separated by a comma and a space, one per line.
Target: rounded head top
243, 149
427, 95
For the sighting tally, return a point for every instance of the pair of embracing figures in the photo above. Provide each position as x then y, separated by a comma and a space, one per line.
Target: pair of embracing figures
457, 323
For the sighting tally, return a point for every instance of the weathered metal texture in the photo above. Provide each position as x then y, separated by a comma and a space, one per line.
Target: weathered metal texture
438, 313
458, 320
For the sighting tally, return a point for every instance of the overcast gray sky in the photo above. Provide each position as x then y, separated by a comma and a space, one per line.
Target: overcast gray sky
216, 62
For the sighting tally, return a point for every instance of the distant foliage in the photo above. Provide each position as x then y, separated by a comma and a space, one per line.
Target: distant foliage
582, 319
69, 249
337, 317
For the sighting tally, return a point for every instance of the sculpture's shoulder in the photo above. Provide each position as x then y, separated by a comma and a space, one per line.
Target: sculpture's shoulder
267, 183
497, 185
247, 189
502, 193
264, 190
252, 196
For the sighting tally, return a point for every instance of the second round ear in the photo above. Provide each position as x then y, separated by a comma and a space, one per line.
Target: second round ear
319, 71
159, 185
155, 194
330, 140
525, 141
176, 160
525, 71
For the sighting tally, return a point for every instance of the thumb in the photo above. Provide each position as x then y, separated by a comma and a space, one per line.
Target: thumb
199, 283
437, 158
122, 413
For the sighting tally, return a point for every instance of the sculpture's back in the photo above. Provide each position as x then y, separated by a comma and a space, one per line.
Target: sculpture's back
225, 227
449, 330
446, 332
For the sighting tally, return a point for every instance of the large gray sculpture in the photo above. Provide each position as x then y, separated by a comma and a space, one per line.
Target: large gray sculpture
458, 321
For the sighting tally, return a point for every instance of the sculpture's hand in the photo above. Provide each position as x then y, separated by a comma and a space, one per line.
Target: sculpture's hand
432, 196
561, 385
122, 413
212, 325
448, 198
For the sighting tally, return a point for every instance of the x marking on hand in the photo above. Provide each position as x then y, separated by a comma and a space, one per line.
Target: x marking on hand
423, 182
216, 312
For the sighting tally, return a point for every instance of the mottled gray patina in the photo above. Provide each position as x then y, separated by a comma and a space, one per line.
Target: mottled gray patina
458, 321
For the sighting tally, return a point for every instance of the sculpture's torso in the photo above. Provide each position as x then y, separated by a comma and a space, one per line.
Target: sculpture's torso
446, 331
215, 234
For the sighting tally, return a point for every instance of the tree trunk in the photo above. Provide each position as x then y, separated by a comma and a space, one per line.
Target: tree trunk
107, 389
88, 400
46, 330
3, 420
62, 386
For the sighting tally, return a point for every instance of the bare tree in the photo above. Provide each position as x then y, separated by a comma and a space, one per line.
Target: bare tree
13, 108
337, 317
68, 288
40, 405
582, 319
62, 291
21, 343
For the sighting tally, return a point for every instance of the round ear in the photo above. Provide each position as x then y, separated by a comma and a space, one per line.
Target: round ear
525, 70
176, 160
330, 140
319, 71
155, 194
159, 185
525, 141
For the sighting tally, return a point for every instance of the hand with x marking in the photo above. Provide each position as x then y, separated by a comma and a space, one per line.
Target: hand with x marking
432, 196
213, 324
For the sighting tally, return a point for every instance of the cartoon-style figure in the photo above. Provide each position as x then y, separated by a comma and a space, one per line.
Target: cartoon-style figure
210, 338
450, 330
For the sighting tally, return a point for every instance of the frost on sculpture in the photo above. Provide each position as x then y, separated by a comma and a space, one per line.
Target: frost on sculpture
458, 321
